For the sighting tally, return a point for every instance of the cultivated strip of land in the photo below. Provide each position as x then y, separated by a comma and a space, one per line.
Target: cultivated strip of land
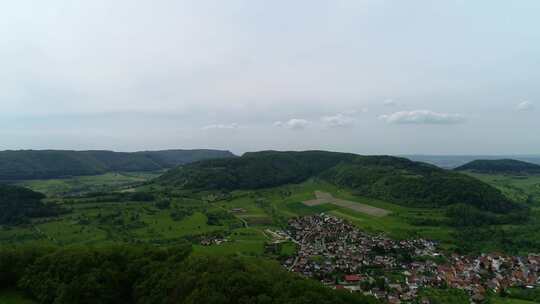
327, 198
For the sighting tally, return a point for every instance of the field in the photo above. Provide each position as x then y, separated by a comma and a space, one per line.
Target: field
241, 217
520, 188
82, 184
328, 198
13, 297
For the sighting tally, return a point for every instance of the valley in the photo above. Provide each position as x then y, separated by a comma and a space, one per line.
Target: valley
254, 222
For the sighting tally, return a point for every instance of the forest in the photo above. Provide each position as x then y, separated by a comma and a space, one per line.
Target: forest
500, 166
152, 275
39, 164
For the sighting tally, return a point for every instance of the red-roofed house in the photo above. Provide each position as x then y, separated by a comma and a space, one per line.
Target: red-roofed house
352, 278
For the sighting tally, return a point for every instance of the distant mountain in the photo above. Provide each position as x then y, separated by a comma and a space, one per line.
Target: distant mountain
507, 166
35, 164
454, 161
393, 179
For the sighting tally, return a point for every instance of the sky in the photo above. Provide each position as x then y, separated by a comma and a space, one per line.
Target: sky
363, 76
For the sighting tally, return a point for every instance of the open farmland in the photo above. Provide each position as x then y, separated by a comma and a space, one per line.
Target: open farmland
327, 198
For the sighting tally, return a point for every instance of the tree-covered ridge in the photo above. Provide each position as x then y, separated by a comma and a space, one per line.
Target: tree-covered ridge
33, 164
403, 181
18, 204
506, 166
152, 275
253, 170
393, 179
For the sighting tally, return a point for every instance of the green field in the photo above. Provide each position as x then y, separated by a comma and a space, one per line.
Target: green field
13, 297
520, 188
498, 300
246, 215
82, 184
106, 222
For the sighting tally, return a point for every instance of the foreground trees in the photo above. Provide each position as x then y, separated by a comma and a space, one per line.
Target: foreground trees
143, 274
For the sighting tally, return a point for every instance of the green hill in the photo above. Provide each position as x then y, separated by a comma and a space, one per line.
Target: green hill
393, 179
18, 204
253, 170
409, 183
32, 164
505, 166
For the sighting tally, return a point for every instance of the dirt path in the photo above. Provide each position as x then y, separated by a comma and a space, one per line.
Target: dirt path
327, 198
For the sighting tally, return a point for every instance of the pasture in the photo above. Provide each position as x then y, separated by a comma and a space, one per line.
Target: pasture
83, 184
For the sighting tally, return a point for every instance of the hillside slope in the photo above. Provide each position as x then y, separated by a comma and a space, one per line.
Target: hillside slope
505, 166
393, 179
33, 164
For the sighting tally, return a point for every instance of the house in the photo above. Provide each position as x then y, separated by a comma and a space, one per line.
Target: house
352, 278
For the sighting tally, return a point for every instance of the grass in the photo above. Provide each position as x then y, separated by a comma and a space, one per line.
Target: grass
522, 188
499, 300
111, 222
81, 184
14, 297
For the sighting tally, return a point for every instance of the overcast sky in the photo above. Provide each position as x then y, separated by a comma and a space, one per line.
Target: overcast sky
371, 77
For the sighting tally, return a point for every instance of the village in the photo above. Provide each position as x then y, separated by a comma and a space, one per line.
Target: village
343, 257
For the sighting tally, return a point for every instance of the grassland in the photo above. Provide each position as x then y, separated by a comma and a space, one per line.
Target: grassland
250, 213
499, 300
520, 188
101, 223
13, 297
81, 184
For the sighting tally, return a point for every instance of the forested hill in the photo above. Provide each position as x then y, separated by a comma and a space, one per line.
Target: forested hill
506, 166
34, 164
393, 179
253, 170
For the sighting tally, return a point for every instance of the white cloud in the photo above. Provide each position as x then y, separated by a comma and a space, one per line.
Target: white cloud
355, 111
294, 124
525, 106
221, 126
422, 117
390, 103
338, 120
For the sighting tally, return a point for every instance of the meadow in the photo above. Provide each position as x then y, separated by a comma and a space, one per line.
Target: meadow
58, 187
242, 216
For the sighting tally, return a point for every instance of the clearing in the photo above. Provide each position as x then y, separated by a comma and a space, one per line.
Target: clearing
327, 198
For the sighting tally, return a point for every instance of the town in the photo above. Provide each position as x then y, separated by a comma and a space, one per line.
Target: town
343, 257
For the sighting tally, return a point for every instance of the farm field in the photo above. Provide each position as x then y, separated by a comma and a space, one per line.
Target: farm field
328, 198
240, 216
82, 184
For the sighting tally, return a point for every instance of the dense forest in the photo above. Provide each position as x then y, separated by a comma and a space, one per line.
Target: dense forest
504, 166
393, 179
32, 164
19, 204
152, 275
254, 170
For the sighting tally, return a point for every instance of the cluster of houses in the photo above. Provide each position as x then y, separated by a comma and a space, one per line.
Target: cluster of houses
213, 240
343, 257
